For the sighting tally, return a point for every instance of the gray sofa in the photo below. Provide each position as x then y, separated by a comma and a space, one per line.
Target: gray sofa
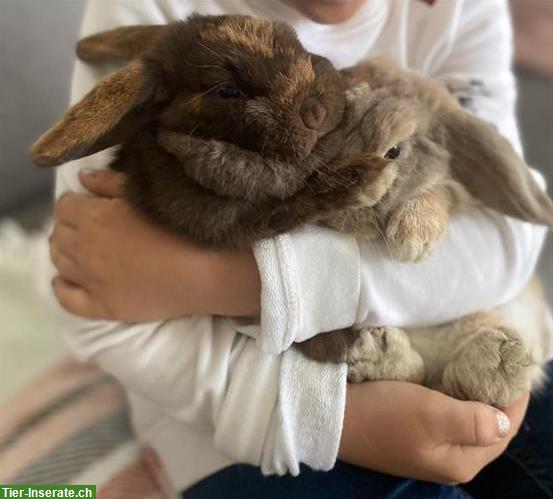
36, 56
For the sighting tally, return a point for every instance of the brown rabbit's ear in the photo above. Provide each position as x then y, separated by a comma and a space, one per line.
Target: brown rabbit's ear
492, 171
120, 44
103, 118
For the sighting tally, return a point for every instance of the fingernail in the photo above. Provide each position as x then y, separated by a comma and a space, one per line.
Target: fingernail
89, 172
503, 423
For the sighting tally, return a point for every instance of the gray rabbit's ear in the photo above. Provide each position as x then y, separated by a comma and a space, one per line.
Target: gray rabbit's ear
118, 45
492, 171
109, 113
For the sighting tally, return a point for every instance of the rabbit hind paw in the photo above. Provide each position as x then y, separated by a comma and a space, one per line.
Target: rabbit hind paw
384, 353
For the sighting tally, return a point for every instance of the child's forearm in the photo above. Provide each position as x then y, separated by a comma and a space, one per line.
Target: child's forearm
236, 286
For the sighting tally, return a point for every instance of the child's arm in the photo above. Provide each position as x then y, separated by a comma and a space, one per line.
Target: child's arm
200, 371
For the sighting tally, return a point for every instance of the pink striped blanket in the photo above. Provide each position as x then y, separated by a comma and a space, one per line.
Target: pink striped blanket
70, 425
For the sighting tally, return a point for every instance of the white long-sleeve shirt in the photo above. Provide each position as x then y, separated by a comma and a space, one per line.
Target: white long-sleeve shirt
206, 396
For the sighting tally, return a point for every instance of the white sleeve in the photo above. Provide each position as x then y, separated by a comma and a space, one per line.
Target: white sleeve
314, 280
266, 410
198, 369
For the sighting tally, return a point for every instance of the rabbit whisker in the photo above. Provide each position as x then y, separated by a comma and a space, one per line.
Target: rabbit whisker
210, 50
189, 135
188, 63
199, 96
382, 234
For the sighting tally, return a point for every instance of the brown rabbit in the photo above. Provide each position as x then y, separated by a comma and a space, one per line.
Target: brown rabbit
233, 78
246, 137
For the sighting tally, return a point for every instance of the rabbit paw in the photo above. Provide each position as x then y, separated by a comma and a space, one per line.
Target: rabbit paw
493, 367
384, 353
412, 233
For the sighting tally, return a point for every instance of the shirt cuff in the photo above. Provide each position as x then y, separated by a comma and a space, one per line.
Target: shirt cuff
307, 425
310, 284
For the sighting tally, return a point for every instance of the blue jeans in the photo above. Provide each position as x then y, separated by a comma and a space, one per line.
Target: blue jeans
524, 471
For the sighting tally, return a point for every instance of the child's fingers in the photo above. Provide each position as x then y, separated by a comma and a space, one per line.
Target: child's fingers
105, 183
66, 266
66, 239
474, 445
70, 209
76, 299
473, 424
517, 410
475, 434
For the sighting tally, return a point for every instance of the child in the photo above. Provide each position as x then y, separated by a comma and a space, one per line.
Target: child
205, 396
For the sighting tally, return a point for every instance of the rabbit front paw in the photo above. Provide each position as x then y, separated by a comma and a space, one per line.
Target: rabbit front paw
413, 232
493, 367
384, 353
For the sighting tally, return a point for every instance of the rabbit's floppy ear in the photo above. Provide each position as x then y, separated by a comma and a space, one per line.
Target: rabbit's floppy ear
119, 44
105, 116
492, 171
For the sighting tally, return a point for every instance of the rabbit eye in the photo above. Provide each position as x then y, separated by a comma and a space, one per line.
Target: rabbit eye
228, 92
393, 152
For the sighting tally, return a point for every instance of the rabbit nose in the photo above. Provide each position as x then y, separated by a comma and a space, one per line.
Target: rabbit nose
313, 114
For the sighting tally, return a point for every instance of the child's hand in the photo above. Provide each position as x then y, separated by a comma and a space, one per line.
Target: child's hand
113, 264
411, 431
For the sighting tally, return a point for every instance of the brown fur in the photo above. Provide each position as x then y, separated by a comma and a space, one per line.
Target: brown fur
253, 35
85, 124
287, 84
329, 347
119, 44
286, 150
